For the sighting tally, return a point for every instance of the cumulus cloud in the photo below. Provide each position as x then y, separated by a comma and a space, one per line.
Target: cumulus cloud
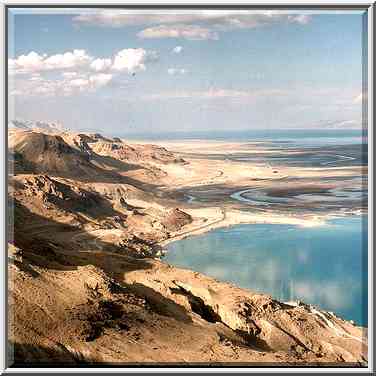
177, 50
30, 62
100, 79
173, 71
71, 72
78, 82
133, 59
190, 32
99, 65
73, 59
33, 62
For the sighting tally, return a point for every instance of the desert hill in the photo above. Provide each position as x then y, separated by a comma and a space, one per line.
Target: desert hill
136, 153
87, 157
39, 152
86, 284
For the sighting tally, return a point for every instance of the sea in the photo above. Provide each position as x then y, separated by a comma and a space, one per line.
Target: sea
326, 266
288, 137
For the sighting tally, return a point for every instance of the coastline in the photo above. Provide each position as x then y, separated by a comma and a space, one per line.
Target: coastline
214, 188
106, 262
235, 217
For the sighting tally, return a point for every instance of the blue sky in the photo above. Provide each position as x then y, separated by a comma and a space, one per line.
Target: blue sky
118, 71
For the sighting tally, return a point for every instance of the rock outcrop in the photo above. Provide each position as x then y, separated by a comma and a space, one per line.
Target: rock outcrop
86, 285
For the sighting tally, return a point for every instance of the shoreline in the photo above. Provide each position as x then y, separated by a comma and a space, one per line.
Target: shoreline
313, 307
221, 183
232, 217
293, 221
93, 236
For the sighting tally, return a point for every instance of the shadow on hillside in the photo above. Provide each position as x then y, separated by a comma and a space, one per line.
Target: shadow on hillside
78, 201
117, 164
96, 169
51, 245
55, 250
117, 168
31, 355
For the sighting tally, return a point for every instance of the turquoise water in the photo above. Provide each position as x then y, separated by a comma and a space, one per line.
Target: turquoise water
285, 138
324, 266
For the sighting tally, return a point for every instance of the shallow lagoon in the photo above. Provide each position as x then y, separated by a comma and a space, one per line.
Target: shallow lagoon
325, 266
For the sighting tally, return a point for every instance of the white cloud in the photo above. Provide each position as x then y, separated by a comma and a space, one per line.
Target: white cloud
133, 59
229, 19
69, 74
99, 65
36, 74
190, 32
181, 24
173, 71
92, 82
302, 19
30, 62
78, 82
119, 19
100, 79
74, 59
33, 62
177, 49
68, 83
45, 88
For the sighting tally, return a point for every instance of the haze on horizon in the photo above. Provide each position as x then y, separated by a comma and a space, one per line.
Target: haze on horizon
153, 71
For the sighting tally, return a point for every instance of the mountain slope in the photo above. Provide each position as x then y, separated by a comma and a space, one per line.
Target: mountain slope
86, 285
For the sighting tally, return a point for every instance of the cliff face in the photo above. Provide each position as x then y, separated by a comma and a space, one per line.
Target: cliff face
85, 286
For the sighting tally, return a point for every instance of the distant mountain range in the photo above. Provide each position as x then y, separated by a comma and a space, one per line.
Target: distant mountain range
29, 124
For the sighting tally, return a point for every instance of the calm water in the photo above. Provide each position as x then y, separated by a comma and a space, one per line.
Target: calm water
325, 266
285, 138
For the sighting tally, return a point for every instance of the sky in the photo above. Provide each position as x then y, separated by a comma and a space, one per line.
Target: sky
122, 71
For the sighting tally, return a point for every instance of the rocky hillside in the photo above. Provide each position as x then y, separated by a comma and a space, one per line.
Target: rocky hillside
87, 218
136, 153
40, 153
